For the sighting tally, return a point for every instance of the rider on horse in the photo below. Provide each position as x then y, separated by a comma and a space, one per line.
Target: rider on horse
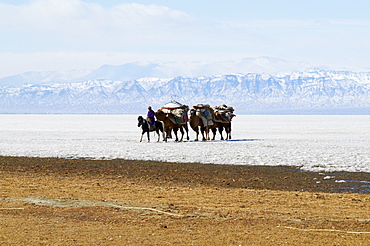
151, 117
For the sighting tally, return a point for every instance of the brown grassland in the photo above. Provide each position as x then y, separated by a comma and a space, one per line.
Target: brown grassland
50, 201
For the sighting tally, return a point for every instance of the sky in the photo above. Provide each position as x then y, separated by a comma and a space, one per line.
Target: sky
60, 35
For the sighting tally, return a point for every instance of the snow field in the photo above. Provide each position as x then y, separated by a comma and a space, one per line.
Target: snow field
315, 143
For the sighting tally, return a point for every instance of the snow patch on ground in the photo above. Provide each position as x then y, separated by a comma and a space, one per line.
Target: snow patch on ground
314, 143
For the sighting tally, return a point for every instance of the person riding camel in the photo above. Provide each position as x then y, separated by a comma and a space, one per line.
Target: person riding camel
151, 117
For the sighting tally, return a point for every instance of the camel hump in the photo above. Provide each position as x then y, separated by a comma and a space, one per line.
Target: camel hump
206, 113
224, 113
202, 106
224, 108
176, 112
175, 105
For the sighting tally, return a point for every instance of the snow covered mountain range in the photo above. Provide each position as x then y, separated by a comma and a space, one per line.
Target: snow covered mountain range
311, 91
157, 69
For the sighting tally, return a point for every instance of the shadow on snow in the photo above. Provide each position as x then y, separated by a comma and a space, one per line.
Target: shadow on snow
218, 141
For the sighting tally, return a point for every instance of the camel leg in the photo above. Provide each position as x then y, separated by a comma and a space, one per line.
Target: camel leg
196, 129
228, 132
202, 130
196, 133
175, 131
169, 132
166, 131
214, 130
182, 134
187, 132
157, 131
207, 133
220, 129
162, 130
164, 134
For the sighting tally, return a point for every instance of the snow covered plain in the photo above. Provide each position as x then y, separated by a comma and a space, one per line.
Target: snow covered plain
315, 143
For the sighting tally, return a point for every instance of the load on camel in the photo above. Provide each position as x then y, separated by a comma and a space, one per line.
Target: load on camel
223, 116
202, 118
174, 115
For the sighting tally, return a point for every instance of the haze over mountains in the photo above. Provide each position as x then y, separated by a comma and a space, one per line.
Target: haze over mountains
252, 85
137, 70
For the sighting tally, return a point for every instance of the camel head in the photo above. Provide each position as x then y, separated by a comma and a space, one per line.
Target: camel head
160, 115
192, 111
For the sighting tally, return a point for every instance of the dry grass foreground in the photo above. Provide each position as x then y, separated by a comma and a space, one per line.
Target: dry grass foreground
95, 202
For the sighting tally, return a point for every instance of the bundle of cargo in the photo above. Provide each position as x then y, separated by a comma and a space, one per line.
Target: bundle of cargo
176, 112
206, 113
224, 113
174, 116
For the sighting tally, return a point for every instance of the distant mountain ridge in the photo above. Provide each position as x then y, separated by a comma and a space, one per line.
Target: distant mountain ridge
311, 91
158, 69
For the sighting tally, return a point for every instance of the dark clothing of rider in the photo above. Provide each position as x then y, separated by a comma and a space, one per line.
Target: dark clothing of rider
151, 116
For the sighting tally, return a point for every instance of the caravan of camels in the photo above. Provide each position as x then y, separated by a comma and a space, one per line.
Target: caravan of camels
174, 116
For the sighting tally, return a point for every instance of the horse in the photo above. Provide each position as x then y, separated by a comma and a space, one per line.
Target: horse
146, 128
169, 125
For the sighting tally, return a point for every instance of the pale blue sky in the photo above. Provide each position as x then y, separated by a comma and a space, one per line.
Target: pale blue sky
41, 35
